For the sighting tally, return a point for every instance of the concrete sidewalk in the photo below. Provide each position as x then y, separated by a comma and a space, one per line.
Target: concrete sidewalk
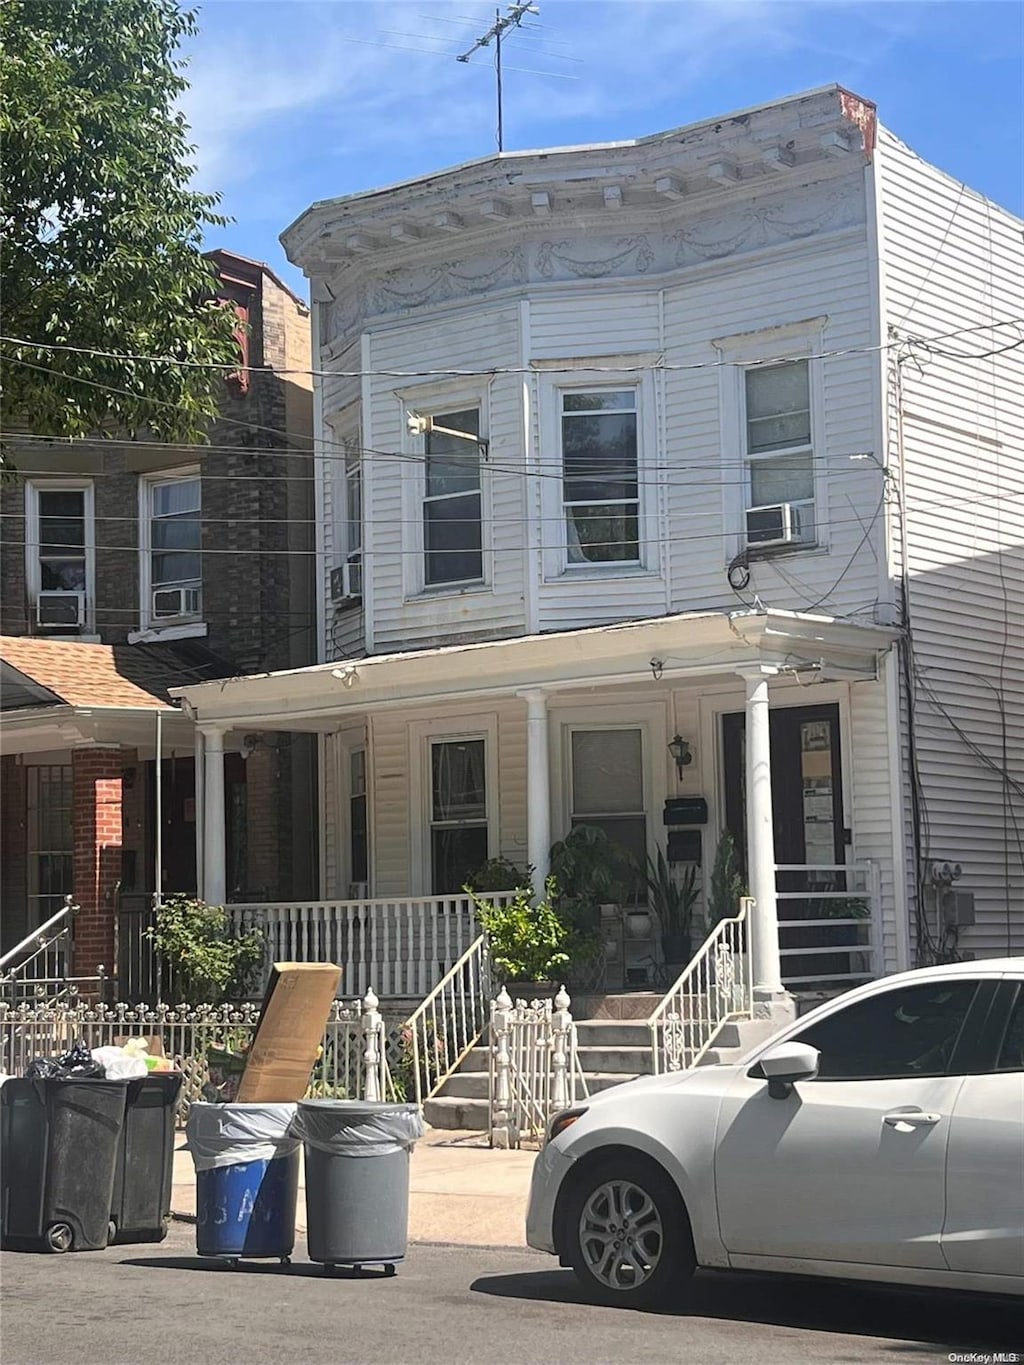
460, 1190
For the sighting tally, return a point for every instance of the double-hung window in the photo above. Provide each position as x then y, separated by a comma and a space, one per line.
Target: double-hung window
358, 832
600, 477
452, 503
172, 546
458, 824
347, 515
607, 774
60, 556
779, 455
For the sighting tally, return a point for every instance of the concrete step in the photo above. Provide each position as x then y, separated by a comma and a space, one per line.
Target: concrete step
471, 1085
477, 1060
619, 1061
455, 1112
737, 1037
626, 1005
612, 1033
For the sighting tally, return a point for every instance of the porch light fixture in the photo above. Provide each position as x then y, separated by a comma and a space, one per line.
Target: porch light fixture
349, 676
680, 750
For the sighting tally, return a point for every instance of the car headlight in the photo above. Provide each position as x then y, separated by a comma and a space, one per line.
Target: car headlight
564, 1120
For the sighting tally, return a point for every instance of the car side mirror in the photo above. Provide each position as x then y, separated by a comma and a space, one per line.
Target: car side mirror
785, 1064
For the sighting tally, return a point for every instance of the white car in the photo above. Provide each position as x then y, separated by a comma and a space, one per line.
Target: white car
880, 1137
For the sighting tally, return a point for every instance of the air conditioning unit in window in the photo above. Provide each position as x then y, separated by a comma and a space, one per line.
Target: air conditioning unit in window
774, 525
173, 602
347, 579
60, 610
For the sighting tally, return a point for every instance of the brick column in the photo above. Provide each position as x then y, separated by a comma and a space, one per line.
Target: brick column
97, 861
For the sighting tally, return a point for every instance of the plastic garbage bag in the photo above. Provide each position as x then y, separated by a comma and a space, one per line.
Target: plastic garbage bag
120, 1064
76, 1064
44, 1069
235, 1134
358, 1127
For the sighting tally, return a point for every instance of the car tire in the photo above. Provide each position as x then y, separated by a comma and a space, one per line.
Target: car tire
627, 1234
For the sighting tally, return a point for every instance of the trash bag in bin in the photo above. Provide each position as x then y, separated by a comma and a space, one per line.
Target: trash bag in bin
247, 1175
357, 1179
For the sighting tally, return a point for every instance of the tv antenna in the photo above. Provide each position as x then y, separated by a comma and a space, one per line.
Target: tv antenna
513, 18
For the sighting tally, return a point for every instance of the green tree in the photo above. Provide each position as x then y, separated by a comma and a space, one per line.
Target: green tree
101, 228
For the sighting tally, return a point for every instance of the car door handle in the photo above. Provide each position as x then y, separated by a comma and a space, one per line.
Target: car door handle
906, 1120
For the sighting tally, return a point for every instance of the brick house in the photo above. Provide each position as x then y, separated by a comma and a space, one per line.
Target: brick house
130, 567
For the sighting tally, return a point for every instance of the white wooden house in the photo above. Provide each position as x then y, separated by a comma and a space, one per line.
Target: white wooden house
711, 436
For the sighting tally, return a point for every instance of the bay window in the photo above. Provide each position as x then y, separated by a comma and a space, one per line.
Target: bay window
452, 502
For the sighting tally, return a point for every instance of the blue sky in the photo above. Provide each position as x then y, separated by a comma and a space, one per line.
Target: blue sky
297, 100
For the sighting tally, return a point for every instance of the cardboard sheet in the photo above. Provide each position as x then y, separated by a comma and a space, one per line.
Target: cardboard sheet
295, 1009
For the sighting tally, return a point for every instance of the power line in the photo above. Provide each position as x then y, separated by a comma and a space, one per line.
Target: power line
494, 371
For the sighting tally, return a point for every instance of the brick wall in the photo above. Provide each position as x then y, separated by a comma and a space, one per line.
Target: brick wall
97, 788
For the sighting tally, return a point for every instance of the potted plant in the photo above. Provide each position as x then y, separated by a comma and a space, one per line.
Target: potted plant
726, 887
528, 938
673, 902
499, 874
593, 873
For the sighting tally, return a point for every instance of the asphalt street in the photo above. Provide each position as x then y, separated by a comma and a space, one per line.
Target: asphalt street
161, 1305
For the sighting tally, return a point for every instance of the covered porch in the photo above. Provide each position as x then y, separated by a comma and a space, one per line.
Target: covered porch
777, 727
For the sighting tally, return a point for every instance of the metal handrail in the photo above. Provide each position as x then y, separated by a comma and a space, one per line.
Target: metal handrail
704, 997
462, 1021
37, 938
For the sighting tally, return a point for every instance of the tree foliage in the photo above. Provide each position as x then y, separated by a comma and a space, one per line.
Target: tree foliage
102, 229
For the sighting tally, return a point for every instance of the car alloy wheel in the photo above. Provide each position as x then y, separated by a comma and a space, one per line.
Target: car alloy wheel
627, 1234
621, 1235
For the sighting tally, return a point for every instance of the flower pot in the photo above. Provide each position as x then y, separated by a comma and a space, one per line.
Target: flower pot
638, 924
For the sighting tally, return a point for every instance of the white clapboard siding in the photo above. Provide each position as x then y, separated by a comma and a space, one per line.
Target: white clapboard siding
952, 260
871, 818
477, 337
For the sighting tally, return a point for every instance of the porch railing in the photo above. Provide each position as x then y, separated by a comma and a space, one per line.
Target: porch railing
402, 946
828, 920
447, 1025
714, 987
39, 967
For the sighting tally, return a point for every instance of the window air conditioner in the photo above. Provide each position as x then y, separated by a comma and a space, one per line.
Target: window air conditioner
60, 609
173, 602
775, 525
347, 579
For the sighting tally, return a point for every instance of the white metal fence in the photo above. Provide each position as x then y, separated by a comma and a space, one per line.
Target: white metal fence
442, 1030
357, 1048
534, 1068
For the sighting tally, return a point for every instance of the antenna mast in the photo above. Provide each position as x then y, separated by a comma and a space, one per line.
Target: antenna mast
512, 19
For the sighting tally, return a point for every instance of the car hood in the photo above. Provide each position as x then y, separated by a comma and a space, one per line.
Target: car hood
699, 1079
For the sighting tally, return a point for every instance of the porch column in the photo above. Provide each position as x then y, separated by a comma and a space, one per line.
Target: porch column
538, 787
199, 790
766, 973
214, 845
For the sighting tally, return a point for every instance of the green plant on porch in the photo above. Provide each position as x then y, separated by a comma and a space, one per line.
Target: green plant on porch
592, 870
673, 903
842, 907
208, 961
499, 874
726, 887
529, 938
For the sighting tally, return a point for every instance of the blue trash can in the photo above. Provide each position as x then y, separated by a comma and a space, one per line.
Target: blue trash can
247, 1179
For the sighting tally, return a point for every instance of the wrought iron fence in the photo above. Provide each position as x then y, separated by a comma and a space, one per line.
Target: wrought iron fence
358, 1049
534, 1068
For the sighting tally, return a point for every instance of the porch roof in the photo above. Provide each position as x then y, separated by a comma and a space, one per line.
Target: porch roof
686, 644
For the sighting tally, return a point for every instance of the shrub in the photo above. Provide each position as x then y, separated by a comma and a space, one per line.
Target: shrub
528, 939
208, 961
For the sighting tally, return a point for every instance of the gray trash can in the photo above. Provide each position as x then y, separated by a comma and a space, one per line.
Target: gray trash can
357, 1179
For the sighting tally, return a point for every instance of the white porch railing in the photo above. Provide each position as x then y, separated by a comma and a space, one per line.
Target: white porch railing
38, 968
444, 1028
534, 1068
714, 987
400, 945
833, 942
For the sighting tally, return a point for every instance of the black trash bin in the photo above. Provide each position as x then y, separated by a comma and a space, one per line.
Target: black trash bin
357, 1179
141, 1207
59, 1142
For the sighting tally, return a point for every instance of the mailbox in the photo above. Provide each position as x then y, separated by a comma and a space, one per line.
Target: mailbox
686, 810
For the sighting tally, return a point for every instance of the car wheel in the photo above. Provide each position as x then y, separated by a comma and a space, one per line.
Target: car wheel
628, 1236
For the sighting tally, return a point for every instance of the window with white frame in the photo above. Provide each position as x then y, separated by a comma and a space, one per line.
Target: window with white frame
452, 501
779, 455
50, 840
172, 585
607, 786
347, 573
458, 810
600, 476
60, 563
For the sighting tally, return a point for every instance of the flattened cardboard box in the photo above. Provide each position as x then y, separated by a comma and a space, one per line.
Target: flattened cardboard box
295, 1009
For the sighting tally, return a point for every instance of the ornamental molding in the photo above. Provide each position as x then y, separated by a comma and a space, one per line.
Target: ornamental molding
745, 227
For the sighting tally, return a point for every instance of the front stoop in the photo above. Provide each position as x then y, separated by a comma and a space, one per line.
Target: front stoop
737, 1037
